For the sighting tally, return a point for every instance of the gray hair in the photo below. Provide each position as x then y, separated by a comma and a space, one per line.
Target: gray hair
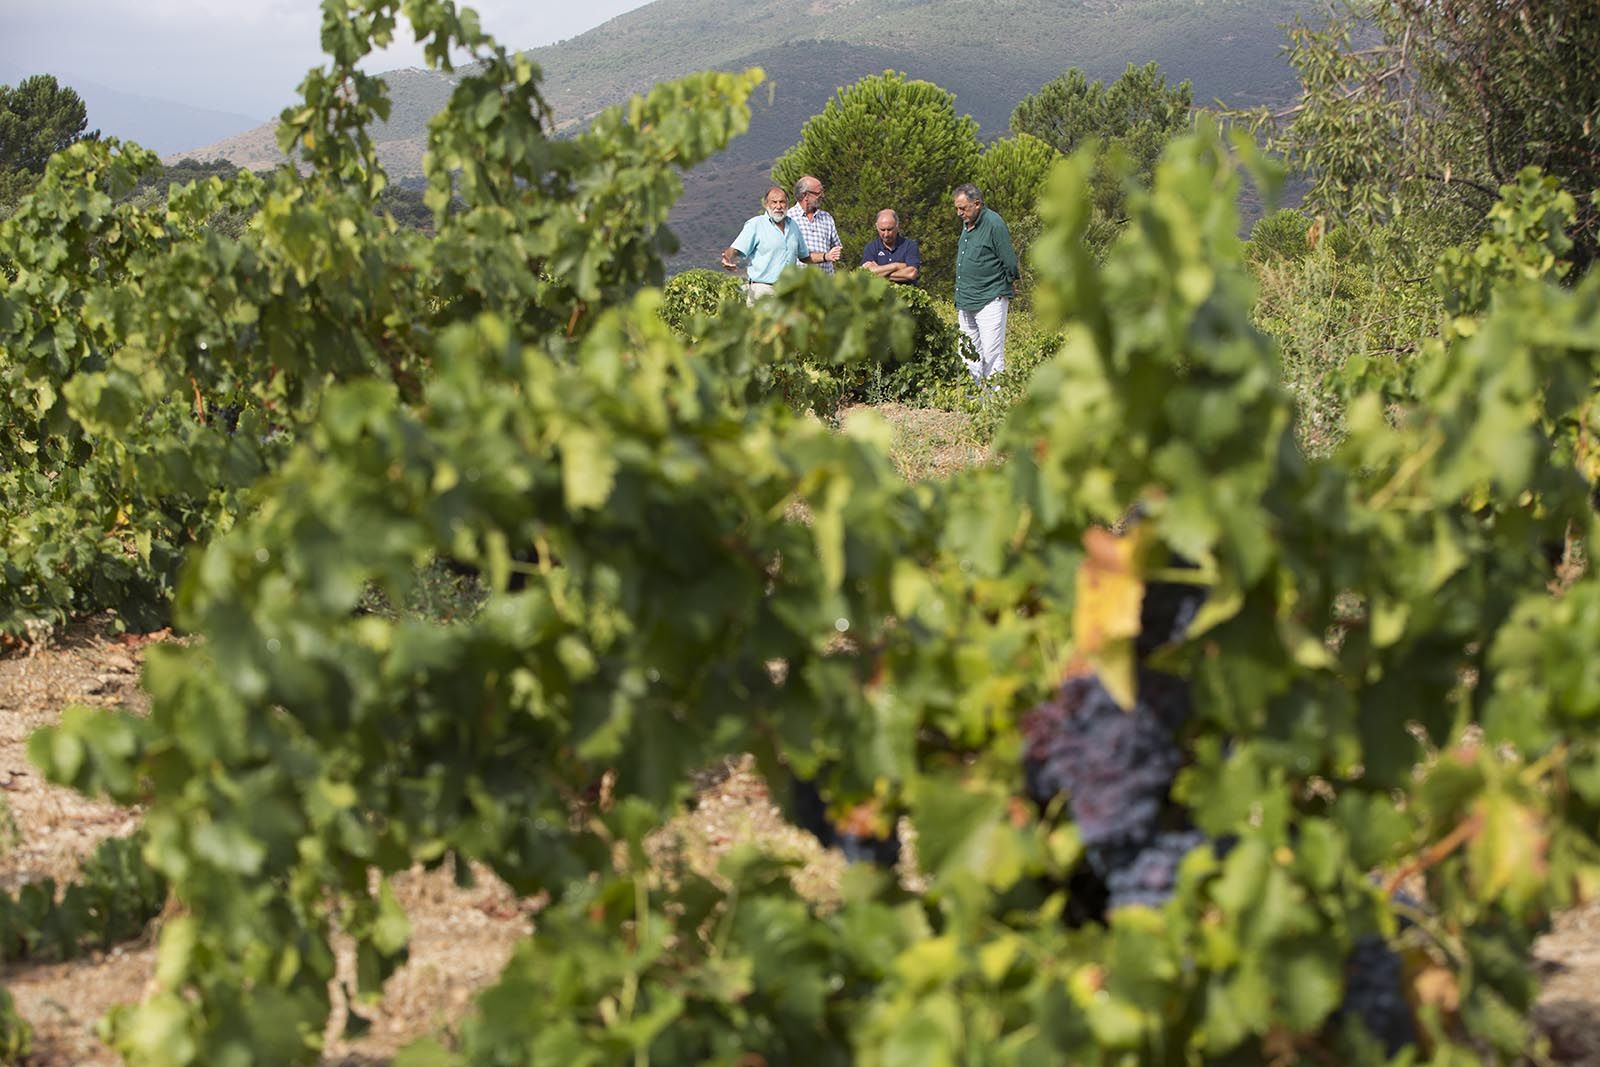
969, 191
891, 212
800, 186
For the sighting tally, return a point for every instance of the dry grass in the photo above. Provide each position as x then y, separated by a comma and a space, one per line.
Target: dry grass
929, 443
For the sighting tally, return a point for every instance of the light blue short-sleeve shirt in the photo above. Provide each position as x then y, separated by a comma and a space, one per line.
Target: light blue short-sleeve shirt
767, 249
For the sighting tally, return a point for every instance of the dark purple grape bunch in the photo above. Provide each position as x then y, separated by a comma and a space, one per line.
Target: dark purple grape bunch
811, 813
1375, 986
1374, 993
1165, 613
227, 416
1152, 874
1115, 766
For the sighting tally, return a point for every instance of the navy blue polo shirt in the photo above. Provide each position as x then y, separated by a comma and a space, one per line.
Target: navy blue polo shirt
904, 251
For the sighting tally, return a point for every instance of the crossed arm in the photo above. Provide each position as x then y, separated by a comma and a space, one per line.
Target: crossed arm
894, 272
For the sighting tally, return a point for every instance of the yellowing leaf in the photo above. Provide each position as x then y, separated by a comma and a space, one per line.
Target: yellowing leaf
1308, 649
908, 588
175, 954
1105, 618
996, 957
1507, 855
1389, 618
1433, 985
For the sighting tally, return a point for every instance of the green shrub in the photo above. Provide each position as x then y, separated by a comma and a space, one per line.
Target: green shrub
1281, 235
1346, 315
700, 291
935, 361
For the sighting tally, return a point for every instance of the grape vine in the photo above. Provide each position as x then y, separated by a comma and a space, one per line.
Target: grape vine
112, 899
1229, 696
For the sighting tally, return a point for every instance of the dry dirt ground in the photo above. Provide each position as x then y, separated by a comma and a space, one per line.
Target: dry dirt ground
461, 937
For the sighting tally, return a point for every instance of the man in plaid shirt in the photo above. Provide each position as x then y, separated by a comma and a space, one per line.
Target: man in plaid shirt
816, 225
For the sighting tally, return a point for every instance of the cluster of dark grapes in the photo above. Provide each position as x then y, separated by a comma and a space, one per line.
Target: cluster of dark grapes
227, 416
1115, 766
1148, 878
1374, 992
1112, 770
1165, 614
811, 813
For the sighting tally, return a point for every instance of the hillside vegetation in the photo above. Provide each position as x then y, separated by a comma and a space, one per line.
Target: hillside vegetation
989, 53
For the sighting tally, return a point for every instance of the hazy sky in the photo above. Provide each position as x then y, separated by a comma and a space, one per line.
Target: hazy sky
245, 56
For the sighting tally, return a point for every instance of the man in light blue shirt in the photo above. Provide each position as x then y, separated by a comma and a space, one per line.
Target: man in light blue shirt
770, 243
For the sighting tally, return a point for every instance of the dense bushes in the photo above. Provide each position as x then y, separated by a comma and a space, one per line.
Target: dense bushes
112, 899
697, 293
930, 366
1129, 121
1427, 107
1285, 235
1353, 309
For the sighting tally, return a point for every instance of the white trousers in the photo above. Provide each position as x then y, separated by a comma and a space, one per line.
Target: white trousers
756, 290
986, 329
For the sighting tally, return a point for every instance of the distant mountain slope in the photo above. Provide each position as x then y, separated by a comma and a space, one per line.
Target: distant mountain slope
1226, 47
415, 97
160, 125
990, 53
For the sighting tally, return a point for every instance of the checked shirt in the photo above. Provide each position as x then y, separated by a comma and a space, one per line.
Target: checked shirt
819, 231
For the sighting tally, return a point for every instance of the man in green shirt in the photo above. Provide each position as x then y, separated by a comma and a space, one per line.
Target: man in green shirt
986, 267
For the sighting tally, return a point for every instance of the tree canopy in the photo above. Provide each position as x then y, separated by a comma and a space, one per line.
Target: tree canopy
1133, 117
1011, 173
38, 118
1434, 105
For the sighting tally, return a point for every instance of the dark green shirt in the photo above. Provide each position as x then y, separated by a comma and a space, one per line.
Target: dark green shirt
986, 264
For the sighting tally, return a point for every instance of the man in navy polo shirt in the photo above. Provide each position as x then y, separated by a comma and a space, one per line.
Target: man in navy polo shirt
770, 242
890, 255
